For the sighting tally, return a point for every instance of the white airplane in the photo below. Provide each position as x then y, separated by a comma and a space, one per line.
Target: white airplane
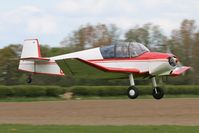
118, 60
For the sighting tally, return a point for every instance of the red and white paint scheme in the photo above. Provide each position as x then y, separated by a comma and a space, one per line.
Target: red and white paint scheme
118, 60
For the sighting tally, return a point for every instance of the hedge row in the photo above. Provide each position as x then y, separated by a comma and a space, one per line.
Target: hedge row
30, 91
36, 91
122, 90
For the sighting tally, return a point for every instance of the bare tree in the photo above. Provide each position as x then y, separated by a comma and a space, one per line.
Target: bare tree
148, 34
91, 36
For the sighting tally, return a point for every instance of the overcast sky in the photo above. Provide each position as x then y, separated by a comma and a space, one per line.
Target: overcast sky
51, 20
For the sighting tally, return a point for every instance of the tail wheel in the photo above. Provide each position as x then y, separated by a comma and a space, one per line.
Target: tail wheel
132, 92
158, 93
29, 79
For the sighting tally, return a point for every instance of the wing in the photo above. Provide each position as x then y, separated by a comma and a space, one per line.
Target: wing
179, 70
85, 69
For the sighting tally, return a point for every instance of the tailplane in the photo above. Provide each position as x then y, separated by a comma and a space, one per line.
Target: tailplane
32, 61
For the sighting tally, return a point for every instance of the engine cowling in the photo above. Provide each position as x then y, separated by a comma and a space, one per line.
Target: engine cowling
163, 67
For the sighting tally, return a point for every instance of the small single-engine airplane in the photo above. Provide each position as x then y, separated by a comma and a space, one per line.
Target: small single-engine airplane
118, 60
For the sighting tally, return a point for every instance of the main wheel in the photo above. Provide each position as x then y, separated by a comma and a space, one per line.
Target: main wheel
132, 92
158, 93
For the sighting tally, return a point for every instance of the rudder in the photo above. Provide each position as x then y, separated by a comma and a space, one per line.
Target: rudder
31, 49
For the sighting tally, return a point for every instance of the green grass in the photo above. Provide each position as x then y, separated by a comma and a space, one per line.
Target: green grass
30, 99
96, 129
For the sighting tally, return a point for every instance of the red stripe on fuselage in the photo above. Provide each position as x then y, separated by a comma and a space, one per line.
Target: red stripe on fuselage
109, 69
148, 56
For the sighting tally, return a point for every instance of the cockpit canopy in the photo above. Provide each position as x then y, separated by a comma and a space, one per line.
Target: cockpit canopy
123, 50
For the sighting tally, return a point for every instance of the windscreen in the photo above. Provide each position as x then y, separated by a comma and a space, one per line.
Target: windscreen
137, 49
123, 50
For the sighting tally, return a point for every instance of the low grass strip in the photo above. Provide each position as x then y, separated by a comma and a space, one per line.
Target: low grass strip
96, 129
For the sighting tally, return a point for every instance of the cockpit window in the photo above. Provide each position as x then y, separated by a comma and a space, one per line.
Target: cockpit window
137, 49
108, 51
123, 50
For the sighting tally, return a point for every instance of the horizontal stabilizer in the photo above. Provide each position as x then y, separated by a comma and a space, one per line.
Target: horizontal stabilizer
37, 59
32, 61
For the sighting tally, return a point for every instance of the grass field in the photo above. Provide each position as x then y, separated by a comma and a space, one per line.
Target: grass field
96, 129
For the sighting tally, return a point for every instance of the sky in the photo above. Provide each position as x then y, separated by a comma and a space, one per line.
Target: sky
52, 20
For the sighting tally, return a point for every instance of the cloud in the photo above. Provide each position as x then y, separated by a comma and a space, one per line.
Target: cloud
53, 20
95, 7
80, 12
27, 21
18, 15
77, 6
30, 9
42, 25
68, 6
127, 13
155, 3
31, 19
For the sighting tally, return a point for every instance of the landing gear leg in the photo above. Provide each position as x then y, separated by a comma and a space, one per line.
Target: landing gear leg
132, 91
157, 92
29, 79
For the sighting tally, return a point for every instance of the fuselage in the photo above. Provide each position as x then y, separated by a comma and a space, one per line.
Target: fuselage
118, 57
147, 62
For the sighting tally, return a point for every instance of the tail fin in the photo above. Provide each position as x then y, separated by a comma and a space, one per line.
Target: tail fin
30, 53
31, 60
31, 49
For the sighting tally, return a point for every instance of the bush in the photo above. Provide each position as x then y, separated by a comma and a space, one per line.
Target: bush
37, 91
5, 91
30, 91
54, 91
122, 90
107, 90
98, 90
181, 89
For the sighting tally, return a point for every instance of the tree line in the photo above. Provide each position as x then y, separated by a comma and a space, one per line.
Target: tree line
183, 42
